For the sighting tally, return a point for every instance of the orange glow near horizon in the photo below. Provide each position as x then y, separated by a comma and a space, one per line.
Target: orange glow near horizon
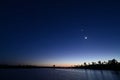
57, 65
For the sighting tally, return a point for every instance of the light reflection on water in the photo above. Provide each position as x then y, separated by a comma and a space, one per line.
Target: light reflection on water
58, 74
92, 74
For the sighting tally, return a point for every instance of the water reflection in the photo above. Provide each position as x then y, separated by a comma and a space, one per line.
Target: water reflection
94, 75
102, 75
58, 74
78, 74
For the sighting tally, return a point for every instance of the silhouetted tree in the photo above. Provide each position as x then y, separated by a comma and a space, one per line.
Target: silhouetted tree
113, 61
99, 62
110, 65
93, 63
88, 63
54, 66
85, 64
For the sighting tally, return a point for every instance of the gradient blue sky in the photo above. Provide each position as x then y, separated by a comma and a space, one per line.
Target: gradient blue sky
50, 32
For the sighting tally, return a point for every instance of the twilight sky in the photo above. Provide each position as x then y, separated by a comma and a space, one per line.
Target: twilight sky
59, 32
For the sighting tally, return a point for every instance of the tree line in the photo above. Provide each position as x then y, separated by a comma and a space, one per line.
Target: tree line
109, 65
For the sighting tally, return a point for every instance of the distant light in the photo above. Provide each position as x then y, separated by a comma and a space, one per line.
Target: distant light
85, 37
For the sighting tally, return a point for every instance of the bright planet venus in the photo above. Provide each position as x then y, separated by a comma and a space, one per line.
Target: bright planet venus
86, 37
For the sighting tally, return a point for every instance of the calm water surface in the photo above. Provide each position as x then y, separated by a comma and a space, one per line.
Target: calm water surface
58, 74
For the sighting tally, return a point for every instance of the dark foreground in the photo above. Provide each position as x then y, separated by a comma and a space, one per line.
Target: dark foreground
58, 74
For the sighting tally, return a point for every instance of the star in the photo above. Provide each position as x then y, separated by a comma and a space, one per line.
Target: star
85, 37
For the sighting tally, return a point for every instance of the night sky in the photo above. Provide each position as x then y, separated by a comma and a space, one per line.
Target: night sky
59, 32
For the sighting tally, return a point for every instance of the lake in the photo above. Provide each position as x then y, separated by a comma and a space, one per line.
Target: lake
58, 74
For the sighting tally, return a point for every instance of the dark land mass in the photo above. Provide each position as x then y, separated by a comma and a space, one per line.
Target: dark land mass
110, 65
